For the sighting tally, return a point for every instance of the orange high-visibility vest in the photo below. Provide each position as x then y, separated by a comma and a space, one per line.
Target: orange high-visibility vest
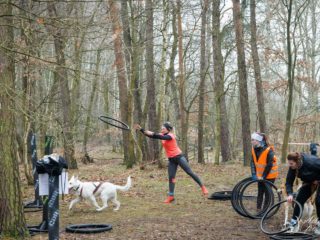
261, 164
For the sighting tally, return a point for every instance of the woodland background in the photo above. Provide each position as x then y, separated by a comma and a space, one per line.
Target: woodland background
218, 70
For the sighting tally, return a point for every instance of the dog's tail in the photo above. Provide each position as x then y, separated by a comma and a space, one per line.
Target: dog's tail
126, 187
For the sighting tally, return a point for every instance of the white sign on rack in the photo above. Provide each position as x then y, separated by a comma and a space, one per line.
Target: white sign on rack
44, 183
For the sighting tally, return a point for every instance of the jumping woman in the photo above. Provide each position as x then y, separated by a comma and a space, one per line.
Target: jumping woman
175, 156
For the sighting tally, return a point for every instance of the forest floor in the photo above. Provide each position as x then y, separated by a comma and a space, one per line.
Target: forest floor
142, 214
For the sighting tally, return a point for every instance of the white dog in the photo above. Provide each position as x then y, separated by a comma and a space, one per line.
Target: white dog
88, 190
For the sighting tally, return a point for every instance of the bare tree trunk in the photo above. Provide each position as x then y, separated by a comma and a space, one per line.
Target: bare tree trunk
171, 69
28, 86
222, 126
151, 91
256, 66
290, 71
86, 158
126, 112
132, 53
12, 220
220, 97
291, 64
182, 90
203, 73
28, 123
243, 89
126, 34
162, 103
61, 76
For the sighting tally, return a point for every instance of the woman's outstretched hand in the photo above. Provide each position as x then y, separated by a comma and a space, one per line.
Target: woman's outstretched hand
136, 126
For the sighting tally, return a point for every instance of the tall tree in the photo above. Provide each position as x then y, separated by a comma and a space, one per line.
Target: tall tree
182, 86
151, 91
291, 64
86, 158
256, 67
222, 125
28, 86
171, 69
242, 75
125, 96
12, 221
203, 73
61, 76
133, 56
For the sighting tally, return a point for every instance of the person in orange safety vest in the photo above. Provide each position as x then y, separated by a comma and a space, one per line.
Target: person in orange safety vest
263, 165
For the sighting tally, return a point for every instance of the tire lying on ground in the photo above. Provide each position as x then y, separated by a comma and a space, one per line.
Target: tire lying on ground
221, 195
88, 228
297, 235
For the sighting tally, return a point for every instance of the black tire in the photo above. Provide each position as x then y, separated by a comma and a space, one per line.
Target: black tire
222, 195
34, 229
297, 235
114, 122
270, 195
266, 216
235, 196
33, 207
28, 210
88, 228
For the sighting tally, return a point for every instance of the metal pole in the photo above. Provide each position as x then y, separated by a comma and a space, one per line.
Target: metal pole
37, 203
53, 207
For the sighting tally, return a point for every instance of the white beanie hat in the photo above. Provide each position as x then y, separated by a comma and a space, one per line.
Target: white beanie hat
256, 136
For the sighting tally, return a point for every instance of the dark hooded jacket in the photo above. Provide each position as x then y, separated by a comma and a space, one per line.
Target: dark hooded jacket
308, 172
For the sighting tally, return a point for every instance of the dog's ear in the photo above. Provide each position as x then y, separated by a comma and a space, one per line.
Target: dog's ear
76, 178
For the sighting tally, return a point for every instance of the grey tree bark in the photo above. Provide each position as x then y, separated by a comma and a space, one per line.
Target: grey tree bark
256, 67
61, 76
243, 89
222, 121
12, 220
151, 91
124, 94
203, 73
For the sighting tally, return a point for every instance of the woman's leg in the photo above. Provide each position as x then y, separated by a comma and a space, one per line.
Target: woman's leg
318, 203
182, 161
303, 195
262, 194
317, 230
172, 170
261, 190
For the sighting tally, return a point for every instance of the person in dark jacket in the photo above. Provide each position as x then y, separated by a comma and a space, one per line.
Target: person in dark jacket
307, 168
263, 165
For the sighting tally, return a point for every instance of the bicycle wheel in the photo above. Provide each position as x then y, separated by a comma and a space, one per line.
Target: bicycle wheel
114, 122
